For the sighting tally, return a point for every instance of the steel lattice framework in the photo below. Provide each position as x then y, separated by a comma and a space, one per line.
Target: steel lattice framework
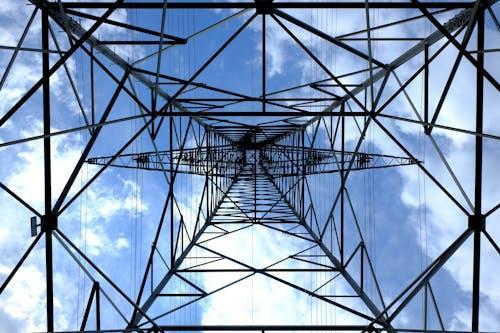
255, 156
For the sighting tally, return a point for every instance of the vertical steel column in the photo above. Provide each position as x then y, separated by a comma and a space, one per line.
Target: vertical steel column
342, 157
92, 81
216, 170
425, 306
211, 164
426, 88
97, 306
263, 62
171, 194
478, 221
303, 162
47, 223
255, 186
207, 197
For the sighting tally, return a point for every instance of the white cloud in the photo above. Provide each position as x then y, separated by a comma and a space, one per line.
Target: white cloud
445, 221
122, 243
25, 297
22, 306
261, 299
104, 204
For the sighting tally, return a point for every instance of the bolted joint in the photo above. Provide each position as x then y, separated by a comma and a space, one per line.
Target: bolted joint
49, 222
264, 6
477, 222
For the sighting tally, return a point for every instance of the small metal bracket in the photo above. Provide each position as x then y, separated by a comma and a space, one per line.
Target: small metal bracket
475, 220
264, 6
34, 226
49, 222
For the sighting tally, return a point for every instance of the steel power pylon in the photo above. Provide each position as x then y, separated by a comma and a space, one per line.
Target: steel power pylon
254, 165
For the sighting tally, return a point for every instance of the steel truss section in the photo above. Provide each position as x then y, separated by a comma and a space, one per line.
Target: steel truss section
255, 167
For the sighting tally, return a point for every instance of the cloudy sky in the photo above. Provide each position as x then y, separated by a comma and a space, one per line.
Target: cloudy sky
405, 218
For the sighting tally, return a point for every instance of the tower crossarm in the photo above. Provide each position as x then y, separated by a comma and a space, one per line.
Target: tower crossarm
219, 160
285, 161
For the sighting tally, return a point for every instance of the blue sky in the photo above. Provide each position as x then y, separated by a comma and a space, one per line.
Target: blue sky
406, 220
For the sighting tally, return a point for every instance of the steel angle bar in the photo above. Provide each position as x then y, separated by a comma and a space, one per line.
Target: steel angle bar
19, 263
427, 172
90, 276
85, 36
90, 144
444, 127
126, 25
17, 48
63, 19
72, 82
337, 264
436, 146
171, 101
412, 289
178, 262
194, 35
453, 24
443, 29
304, 290
19, 199
62, 238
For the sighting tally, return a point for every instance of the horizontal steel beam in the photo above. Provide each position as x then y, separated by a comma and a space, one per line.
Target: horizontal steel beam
283, 5
263, 328
262, 114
